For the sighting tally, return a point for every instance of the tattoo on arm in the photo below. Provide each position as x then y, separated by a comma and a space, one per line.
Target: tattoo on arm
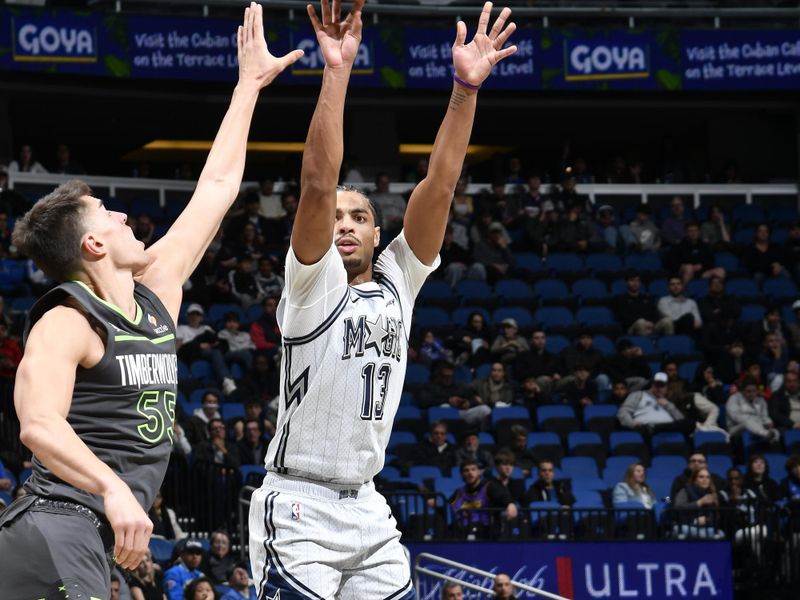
457, 99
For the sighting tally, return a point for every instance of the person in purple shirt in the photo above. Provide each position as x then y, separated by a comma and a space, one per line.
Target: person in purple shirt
673, 229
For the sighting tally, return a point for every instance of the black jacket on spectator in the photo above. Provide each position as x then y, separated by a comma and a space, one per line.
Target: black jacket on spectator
571, 394
515, 489
719, 309
204, 452
436, 394
767, 490
534, 364
682, 480
629, 308
572, 356
619, 368
453, 253
247, 455
761, 262
688, 253
780, 410
428, 454
561, 487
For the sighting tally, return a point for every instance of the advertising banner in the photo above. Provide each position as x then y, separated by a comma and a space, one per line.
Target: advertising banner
588, 570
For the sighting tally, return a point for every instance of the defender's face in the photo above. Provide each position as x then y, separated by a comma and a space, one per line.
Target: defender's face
354, 232
110, 228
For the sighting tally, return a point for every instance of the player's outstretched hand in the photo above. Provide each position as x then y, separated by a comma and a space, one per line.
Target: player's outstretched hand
338, 40
256, 64
473, 62
131, 525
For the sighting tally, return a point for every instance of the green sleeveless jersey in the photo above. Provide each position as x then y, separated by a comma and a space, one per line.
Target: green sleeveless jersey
123, 408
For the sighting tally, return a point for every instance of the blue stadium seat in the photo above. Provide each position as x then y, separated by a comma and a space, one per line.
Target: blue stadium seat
748, 214
528, 261
201, 369
588, 483
12, 274
777, 464
216, 313
582, 438
702, 438
643, 342
604, 345
461, 315
590, 289
514, 291
587, 499
594, 316
547, 445
604, 263
22, 304
780, 288
462, 375
161, 549
553, 411
565, 262
150, 206
486, 439
614, 470
658, 288
473, 291
688, 370
576, 467
505, 413
697, 288
443, 413
435, 290
627, 443
554, 316
779, 235
550, 289
719, 464
676, 345
727, 261
447, 486
231, 410
666, 466
644, 261
256, 471
556, 343
791, 441
752, 312
407, 413
401, 437
669, 442
780, 215
391, 474
254, 313
427, 317
744, 236
521, 315
419, 473
599, 411
417, 374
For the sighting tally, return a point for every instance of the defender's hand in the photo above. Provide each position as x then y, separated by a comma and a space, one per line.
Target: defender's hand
473, 62
256, 64
339, 40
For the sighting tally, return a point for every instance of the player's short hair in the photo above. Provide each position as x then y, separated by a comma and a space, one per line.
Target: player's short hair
355, 190
50, 233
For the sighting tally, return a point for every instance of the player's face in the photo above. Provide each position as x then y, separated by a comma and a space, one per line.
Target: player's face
110, 233
354, 232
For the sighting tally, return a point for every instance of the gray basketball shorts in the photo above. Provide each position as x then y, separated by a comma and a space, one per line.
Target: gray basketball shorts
53, 552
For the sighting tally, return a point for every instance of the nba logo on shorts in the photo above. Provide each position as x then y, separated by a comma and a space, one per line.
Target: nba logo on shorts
295, 511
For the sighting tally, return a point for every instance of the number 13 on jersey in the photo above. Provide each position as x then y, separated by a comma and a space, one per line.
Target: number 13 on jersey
374, 377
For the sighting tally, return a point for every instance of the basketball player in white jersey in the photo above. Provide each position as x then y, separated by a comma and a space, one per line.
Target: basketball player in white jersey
318, 529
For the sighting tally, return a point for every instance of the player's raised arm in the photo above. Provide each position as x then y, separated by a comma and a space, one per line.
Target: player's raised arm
426, 215
312, 234
175, 256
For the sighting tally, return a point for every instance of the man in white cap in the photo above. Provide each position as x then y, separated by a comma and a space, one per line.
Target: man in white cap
509, 343
197, 340
649, 411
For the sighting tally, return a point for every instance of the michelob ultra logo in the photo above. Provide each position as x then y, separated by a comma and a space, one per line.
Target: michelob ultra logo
592, 60
54, 40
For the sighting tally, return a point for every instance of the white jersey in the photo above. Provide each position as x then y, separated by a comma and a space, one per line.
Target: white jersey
344, 364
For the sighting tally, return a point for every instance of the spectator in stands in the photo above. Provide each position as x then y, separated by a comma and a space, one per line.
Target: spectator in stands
582, 352
682, 312
771, 323
524, 458
784, 406
470, 450
700, 492
269, 202
432, 349
495, 390
734, 494
753, 371
196, 340
64, 163
219, 560
144, 229
697, 408
452, 591
470, 501
791, 252
252, 448
574, 231
6, 484
115, 586
457, 264
470, 345
264, 331
568, 196
239, 582
644, 234
237, 345
692, 257
649, 411
538, 362
165, 522
774, 360
628, 365
746, 410
146, 580
790, 487
201, 588
507, 346
634, 488
260, 384
619, 392
761, 258
10, 355
636, 311
444, 391
531, 201
436, 451
757, 479
530, 394
709, 385
26, 162
391, 207
216, 450
495, 202
504, 467
717, 306
463, 204
494, 254
197, 427
185, 570
549, 489
607, 236
579, 391
673, 229
793, 329
242, 282
544, 232
260, 227
268, 281
503, 590
715, 232
733, 363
